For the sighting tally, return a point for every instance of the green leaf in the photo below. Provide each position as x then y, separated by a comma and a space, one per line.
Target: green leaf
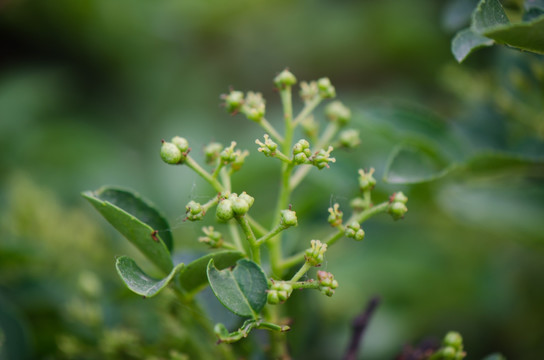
410, 164
242, 290
488, 14
138, 281
527, 36
193, 276
138, 221
467, 41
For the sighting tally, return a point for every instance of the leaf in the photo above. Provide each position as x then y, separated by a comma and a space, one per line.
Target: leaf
527, 36
242, 290
138, 221
533, 9
409, 164
193, 276
138, 281
467, 41
488, 14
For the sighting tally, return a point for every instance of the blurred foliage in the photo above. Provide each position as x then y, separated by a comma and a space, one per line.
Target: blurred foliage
88, 89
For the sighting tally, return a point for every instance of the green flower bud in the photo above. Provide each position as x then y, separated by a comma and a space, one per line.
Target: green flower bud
337, 112
357, 204
354, 231
212, 151
233, 101
398, 197
284, 79
322, 158
254, 106
213, 238
228, 154
289, 218
268, 148
397, 210
240, 158
310, 127
239, 206
170, 153
349, 138
194, 211
327, 284
301, 146
335, 216
454, 340
308, 91
366, 180
448, 353
272, 297
221, 331
359, 235
224, 211
247, 198
181, 143
316, 254
326, 90
301, 158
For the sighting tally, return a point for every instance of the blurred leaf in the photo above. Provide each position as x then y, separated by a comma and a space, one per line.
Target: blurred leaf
527, 36
466, 41
138, 221
488, 14
533, 9
138, 281
500, 162
409, 164
495, 356
242, 290
193, 276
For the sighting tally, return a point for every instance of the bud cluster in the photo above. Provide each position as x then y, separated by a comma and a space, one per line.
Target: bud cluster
326, 90
335, 215
268, 148
349, 138
288, 218
175, 151
194, 211
316, 254
366, 180
212, 152
302, 152
452, 347
213, 238
338, 113
322, 158
233, 204
234, 157
285, 79
354, 231
397, 205
279, 292
327, 284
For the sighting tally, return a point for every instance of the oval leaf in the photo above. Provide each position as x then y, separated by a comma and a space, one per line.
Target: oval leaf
138, 221
467, 41
242, 290
193, 276
138, 281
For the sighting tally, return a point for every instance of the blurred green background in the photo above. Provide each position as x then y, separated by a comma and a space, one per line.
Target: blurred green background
89, 88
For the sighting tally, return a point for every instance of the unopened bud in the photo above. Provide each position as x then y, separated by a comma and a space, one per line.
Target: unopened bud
338, 112
284, 79
170, 153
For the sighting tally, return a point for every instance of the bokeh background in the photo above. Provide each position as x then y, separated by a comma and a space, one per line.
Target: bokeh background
89, 88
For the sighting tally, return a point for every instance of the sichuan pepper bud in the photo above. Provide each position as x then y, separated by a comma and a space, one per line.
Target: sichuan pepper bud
194, 211
279, 292
254, 106
338, 113
233, 101
366, 180
284, 79
335, 215
316, 254
212, 151
268, 148
308, 91
326, 90
288, 218
349, 138
181, 143
327, 284
302, 152
322, 158
213, 238
354, 231
170, 153
224, 211
397, 205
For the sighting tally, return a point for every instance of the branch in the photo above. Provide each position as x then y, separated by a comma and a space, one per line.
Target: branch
359, 326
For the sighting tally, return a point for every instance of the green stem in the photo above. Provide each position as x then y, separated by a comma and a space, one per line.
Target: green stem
225, 178
258, 229
300, 273
272, 327
218, 168
308, 108
270, 130
255, 248
305, 285
278, 154
275, 231
236, 237
204, 174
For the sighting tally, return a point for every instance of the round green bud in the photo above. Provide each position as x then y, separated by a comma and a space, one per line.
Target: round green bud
285, 78
212, 151
398, 197
170, 153
338, 112
448, 352
359, 235
357, 204
366, 180
239, 206
194, 211
272, 297
181, 143
233, 101
300, 158
397, 210
224, 211
247, 198
453, 339
326, 90
289, 218
349, 138
220, 330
